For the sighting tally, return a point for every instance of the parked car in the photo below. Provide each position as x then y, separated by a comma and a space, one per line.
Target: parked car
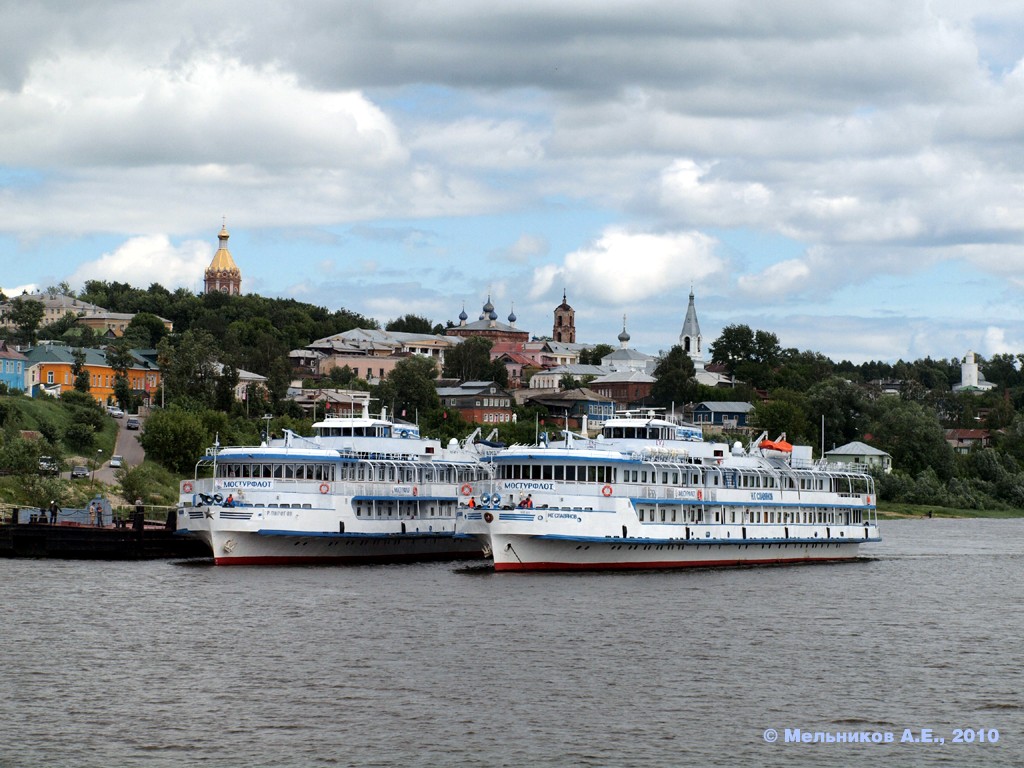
79, 472
132, 423
48, 465
116, 461
114, 411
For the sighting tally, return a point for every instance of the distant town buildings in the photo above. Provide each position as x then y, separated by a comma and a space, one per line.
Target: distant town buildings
57, 306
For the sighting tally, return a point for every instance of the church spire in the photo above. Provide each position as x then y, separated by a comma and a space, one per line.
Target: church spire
689, 338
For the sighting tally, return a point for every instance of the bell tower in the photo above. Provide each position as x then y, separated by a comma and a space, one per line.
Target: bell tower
564, 329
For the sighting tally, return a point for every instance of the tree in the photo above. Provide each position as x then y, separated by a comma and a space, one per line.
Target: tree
470, 360
175, 438
224, 389
749, 355
188, 366
594, 355
120, 359
843, 406
79, 371
409, 389
26, 314
410, 324
912, 435
785, 411
674, 379
144, 331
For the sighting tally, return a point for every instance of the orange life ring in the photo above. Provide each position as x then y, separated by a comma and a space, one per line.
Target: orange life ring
415, 491
700, 495
466, 489
324, 488
186, 487
607, 490
488, 517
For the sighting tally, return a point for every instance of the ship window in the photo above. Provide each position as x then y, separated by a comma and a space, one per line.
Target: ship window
663, 515
673, 515
664, 478
643, 476
559, 472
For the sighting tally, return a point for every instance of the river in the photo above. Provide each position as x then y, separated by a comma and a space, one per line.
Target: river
175, 663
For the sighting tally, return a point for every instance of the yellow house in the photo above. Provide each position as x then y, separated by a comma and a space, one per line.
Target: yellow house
50, 372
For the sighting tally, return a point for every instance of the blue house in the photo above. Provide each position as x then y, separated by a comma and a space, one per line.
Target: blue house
13, 366
723, 415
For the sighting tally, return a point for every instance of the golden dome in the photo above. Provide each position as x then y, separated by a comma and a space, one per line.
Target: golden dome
222, 262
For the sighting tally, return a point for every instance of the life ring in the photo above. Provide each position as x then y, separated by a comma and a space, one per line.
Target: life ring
186, 487
324, 488
415, 491
700, 495
466, 489
403, 433
607, 490
488, 517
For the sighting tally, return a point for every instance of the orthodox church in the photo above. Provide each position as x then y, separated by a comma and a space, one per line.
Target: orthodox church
223, 275
489, 327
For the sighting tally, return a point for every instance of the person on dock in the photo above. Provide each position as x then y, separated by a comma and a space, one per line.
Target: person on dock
54, 511
92, 513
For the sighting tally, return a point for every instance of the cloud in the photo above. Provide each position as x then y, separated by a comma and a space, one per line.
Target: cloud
621, 267
523, 250
149, 259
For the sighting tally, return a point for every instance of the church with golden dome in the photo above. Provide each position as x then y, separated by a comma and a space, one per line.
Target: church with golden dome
223, 275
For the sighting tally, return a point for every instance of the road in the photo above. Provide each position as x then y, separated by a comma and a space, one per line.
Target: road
128, 446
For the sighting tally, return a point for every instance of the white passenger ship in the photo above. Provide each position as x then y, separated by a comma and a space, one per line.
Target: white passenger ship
648, 494
362, 490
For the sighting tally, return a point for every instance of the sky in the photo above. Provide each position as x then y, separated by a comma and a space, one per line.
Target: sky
848, 176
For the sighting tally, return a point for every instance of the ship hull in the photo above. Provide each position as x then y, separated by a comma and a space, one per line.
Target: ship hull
538, 553
255, 548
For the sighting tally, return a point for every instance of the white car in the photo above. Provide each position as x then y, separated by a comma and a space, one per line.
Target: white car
116, 412
116, 461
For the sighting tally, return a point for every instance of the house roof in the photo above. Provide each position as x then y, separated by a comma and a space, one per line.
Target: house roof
60, 353
568, 396
470, 388
10, 354
967, 434
577, 369
726, 406
856, 448
637, 377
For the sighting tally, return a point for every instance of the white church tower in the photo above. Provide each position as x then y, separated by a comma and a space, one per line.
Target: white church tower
690, 339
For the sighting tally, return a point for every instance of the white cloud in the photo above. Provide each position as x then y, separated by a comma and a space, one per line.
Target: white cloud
621, 267
142, 261
524, 249
781, 279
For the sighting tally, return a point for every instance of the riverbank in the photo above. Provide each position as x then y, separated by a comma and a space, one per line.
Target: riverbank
887, 511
